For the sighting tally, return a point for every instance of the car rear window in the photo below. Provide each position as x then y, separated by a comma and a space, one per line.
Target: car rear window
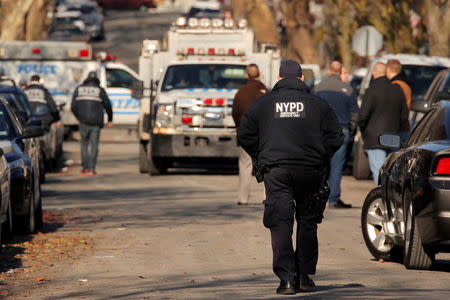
421, 77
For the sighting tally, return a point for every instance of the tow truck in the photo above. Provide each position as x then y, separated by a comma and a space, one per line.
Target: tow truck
189, 84
64, 65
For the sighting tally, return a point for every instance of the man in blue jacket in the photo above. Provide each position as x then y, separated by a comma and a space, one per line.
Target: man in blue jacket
341, 98
293, 135
89, 102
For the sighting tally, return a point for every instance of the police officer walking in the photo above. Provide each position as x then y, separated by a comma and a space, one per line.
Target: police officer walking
41, 103
293, 135
88, 104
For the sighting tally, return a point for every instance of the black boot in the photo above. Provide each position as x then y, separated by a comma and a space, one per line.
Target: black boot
304, 283
286, 288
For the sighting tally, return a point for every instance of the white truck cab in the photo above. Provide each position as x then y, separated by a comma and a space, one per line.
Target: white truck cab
64, 65
189, 87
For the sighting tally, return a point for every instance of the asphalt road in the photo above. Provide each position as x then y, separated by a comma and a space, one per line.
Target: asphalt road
181, 236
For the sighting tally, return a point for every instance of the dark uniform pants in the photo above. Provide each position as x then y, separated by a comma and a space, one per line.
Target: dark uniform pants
286, 190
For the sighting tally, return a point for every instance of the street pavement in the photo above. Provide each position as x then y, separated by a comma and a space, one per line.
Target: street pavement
182, 236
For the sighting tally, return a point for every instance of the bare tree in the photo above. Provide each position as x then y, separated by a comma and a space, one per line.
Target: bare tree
259, 17
438, 27
302, 44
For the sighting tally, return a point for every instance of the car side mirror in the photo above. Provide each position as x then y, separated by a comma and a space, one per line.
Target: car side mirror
31, 132
420, 104
34, 122
137, 89
389, 140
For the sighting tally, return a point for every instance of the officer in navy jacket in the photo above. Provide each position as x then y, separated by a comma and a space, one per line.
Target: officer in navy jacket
293, 134
89, 102
41, 102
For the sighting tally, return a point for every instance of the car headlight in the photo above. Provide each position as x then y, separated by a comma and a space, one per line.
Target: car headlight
164, 115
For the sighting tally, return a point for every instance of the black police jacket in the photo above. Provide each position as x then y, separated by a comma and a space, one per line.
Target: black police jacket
289, 126
41, 104
89, 101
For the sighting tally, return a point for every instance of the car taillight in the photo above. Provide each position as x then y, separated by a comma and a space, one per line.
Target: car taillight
187, 120
443, 166
207, 101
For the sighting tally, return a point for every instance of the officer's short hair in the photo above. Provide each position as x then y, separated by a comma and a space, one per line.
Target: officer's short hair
252, 71
35, 78
394, 65
335, 67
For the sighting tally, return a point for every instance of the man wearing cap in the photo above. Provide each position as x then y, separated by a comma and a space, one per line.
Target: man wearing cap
293, 135
88, 103
247, 94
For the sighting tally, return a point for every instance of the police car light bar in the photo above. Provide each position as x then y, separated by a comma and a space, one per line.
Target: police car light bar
216, 23
211, 51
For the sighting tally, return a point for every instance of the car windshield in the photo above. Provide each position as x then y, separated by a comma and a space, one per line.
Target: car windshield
6, 127
204, 76
421, 77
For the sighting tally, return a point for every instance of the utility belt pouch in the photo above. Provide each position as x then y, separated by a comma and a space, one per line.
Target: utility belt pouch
258, 170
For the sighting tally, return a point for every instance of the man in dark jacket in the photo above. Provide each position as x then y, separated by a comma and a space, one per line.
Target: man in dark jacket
41, 102
88, 103
341, 98
247, 94
293, 134
383, 110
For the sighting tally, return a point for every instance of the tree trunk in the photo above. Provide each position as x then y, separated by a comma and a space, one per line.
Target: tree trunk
302, 45
260, 18
24, 19
438, 28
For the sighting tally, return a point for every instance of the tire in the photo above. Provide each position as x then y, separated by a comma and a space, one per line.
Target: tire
143, 7
39, 216
143, 158
7, 226
156, 166
373, 225
26, 224
415, 256
42, 169
361, 168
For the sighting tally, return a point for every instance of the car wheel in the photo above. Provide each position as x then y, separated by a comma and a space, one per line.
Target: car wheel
143, 7
7, 226
361, 168
375, 227
156, 165
415, 256
39, 216
26, 224
143, 158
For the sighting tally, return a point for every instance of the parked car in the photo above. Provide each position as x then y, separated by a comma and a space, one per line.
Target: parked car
133, 4
408, 214
438, 90
51, 144
421, 70
23, 161
5, 203
90, 15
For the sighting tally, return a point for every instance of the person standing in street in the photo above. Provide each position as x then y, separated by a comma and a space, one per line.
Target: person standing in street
89, 102
252, 90
383, 110
293, 135
397, 76
42, 104
341, 98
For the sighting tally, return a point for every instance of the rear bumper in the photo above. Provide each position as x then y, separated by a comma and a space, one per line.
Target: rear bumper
434, 219
193, 145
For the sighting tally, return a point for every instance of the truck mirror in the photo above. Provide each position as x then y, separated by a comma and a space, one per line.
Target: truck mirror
137, 89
